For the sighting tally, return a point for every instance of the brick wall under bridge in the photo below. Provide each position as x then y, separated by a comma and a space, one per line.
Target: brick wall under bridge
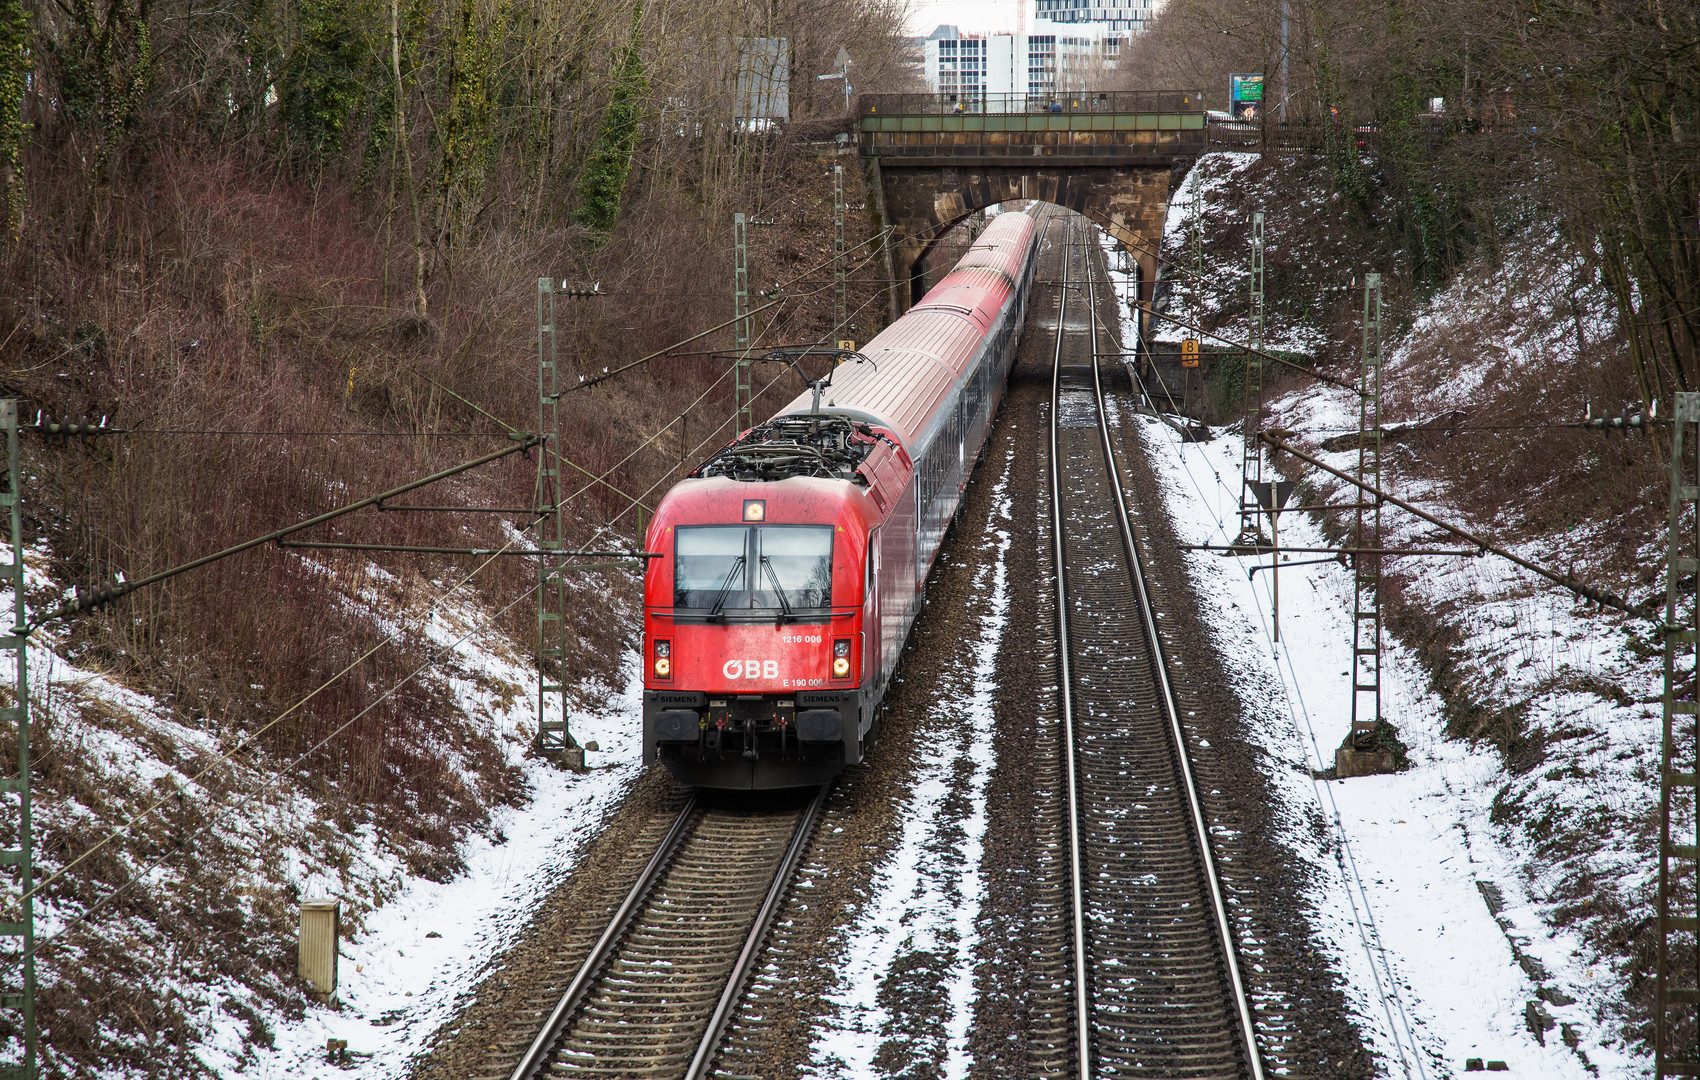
920, 202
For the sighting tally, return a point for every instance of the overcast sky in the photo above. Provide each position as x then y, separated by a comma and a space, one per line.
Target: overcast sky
924, 15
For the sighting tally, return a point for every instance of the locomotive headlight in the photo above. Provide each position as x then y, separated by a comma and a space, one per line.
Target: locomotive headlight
841, 658
663, 663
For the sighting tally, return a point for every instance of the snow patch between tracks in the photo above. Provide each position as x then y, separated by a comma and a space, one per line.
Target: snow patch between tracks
919, 925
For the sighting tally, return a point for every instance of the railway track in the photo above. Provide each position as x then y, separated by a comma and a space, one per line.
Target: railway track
657, 990
1155, 982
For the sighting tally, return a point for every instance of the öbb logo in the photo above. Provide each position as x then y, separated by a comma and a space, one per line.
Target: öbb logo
751, 669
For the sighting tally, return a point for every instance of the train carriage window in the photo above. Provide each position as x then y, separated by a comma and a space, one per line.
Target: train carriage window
708, 559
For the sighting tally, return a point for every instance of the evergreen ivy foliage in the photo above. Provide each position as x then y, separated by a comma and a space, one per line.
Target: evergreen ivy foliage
468, 127
1411, 147
603, 177
105, 63
14, 69
331, 74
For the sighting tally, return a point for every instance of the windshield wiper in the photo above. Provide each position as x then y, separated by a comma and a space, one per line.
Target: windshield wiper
725, 587
779, 591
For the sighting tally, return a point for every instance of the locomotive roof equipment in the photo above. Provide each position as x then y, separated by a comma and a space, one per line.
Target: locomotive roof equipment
793, 559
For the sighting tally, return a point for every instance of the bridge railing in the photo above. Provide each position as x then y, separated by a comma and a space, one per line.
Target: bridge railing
1078, 101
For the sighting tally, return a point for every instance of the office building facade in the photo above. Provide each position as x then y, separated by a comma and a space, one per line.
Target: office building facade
1045, 60
1126, 16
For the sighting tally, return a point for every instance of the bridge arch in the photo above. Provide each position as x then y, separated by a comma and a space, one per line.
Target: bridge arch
922, 204
932, 160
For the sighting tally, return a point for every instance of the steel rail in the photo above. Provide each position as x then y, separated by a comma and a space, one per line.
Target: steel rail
703, 1061
537, 1055
1242, 1001
1082, 1006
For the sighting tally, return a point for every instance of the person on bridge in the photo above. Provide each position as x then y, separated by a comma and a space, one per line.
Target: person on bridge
1056, 106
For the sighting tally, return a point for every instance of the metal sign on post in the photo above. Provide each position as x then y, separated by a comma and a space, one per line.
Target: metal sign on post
17, 910
842, 75
1189, 352
1273, 496
1677, 992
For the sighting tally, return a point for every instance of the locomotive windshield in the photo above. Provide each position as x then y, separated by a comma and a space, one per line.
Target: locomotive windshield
720, 568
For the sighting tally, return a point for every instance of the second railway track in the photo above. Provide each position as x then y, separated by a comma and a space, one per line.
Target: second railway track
1157, 986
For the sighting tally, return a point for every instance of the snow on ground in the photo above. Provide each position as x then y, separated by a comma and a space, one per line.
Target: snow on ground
1565, 832
1198, 191
422, 954
420, 946
1434, 978
927, 898
1435, 973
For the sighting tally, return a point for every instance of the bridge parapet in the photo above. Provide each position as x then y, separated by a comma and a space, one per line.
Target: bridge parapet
1105, 127
1079, 101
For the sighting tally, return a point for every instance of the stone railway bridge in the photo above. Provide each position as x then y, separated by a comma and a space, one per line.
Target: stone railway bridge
1107, 155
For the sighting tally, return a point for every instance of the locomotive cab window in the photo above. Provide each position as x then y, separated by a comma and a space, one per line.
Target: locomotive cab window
738, 568
709, 560
795, 567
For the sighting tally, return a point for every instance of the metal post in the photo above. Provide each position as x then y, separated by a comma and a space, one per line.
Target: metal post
1366, 604
1251, 457
743, 409
1272, 496
840, 295
1275, 575
1197, 312
1678, 987
1286, 66
17, 917
554, 739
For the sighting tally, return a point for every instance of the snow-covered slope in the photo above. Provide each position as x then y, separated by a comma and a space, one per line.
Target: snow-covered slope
1508, 872
174, 852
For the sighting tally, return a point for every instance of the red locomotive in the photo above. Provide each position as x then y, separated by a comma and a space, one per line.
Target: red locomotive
792, 562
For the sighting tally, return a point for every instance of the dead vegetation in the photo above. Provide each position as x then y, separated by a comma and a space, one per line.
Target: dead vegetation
1481, 395
326, 225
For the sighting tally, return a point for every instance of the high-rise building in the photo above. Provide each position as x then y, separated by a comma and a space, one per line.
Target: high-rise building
1125, 15
1043, 60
